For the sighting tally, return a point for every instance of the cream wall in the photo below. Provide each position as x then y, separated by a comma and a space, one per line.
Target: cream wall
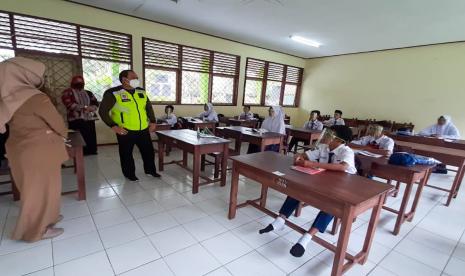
74, 13
414, 85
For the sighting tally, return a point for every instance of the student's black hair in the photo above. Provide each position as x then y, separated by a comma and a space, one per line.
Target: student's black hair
338, 111
315, 111
248, 106
343, 132
170, 107
124, 74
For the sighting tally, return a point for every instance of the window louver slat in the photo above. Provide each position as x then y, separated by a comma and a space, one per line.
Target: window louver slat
225, 64
105, 45
45, 35
255, 68
293, 74
195, 60
5, 31
159, 54
275, 72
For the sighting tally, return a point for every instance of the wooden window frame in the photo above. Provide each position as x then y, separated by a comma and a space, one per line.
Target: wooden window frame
179, 71
264, 81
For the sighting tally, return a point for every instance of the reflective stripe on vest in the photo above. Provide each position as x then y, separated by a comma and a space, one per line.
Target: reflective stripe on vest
129, 110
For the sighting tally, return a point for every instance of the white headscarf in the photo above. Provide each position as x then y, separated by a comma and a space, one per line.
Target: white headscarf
19, 79
210, 114
448, 130
275, 123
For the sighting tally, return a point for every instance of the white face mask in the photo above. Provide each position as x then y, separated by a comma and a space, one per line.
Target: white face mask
134, 83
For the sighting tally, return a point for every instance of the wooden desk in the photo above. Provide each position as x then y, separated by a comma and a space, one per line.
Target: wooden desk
244, 123
448, 156
342, 195
195, 125
303, 134
163, 126
418, 174
187, 141
244, 134
456, 144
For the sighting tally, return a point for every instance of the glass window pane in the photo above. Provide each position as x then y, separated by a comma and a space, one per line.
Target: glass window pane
290, 90
101, 75
273, 92
222, 90
194, 87
253, 91
160, 85
6, 54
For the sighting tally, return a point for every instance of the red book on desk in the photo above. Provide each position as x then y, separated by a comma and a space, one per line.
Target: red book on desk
307, 170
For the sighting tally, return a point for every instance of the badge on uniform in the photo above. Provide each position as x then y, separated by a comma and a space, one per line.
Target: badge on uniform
125, 98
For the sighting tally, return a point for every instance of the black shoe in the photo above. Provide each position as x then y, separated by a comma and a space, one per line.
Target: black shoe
133, 178
154, 174
297, 250
267, 229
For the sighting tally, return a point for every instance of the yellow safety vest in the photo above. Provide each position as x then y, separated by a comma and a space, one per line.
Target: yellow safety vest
129, 110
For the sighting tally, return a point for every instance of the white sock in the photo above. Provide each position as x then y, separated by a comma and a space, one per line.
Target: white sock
278, 223
305, 239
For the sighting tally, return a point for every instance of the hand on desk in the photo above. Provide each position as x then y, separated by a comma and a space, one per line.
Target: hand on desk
299, 160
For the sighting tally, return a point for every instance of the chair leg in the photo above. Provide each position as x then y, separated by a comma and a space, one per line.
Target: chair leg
202, 162
298, 211
397, 189
336, 224
216, 173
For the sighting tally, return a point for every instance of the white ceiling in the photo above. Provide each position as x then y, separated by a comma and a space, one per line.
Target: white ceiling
341, 26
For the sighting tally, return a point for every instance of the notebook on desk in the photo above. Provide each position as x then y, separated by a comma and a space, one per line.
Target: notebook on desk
310, 171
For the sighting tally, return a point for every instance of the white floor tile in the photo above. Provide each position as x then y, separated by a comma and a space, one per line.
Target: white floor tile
315, 267
239, 220
131, 255
77, 210
187, 213
76, 227
76, 247
219, 272
157, 267
45, 272
145, 209
157, 223
204, 228
422, 253
226, 247
120, 234
111, 217
173, 201
172, 240
455, 267
105, 204
402, 265
192, 261
249, 234
253, 264
93, 265
27, 261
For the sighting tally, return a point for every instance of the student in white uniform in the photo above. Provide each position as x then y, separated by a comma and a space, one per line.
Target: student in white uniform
247, 114
169, 117
333, 155
311, 124
336, 120
209, 113
273, 123
443, 129
375, 141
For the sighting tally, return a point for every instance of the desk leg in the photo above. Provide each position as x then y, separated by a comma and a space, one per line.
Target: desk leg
237, 145
196, 171
455, 185
224, 164
460, 181
161, 154
343, 241
263, 196
403, 207
262, 145
372, 228
79, 166
420, 187
233, 194
184, 158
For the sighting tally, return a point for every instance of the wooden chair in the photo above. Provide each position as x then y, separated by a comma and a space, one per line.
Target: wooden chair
402, 126
387, 125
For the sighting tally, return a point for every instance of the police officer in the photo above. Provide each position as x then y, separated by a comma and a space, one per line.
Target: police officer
128, 111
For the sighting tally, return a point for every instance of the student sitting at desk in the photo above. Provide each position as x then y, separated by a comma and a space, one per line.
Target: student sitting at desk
443, 129
375, 141
333, 155
311, 124
273, 123
336, 120
209, 113
247, 114
169, 117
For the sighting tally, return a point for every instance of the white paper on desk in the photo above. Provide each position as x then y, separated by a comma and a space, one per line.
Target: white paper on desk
278, 173
367, 153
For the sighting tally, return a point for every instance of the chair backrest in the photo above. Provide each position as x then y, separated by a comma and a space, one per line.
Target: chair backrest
402, 126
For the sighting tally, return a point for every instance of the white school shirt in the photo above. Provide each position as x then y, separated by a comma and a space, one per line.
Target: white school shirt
341, 154
170, 119
209, 116
384, 142
339, 122
448, 131
317, 125
246, 116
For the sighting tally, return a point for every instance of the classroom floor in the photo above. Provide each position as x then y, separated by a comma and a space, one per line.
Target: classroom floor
158, 227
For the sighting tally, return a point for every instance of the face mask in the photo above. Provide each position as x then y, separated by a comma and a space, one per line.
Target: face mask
134, 83
78, 85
